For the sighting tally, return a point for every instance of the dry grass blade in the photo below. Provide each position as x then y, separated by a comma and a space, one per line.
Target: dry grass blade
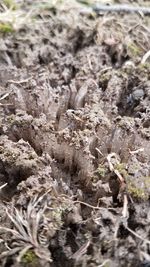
2, 186
9, 253
4, 96
145, 57
35, 225
81, 251
104, 263
15, 219
15, 18
26, 225
5, 229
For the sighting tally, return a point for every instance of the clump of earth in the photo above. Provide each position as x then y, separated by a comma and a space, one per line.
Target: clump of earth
74, 90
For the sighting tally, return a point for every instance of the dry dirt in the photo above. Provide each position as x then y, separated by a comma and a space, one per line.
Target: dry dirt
74, 88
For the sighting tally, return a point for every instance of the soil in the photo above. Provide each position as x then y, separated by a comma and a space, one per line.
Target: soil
74, 91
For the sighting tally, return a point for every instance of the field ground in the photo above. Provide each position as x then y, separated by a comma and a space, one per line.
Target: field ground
75, 135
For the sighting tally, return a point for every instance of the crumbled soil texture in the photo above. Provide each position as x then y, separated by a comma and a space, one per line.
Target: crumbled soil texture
75, 88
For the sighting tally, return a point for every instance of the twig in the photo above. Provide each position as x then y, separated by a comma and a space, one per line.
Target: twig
105, 69
111, 167
124, 218
88, 205
19, 82
5, 104
135, 234
125, 215
136, 151
121, 8
83, 203
125, 206
92, 207
123, 187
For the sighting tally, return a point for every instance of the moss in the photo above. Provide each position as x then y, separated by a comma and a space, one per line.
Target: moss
6, 28
137, 192
127, 70
94, 179
85, 2
145, 67
101, 172
57, 216
11, 118
104, 79
146, 181
57, 213
107, 264
10, 4
133, 50
29, 258
121, 167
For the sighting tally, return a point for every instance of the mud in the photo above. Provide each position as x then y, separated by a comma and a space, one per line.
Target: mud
73, 90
